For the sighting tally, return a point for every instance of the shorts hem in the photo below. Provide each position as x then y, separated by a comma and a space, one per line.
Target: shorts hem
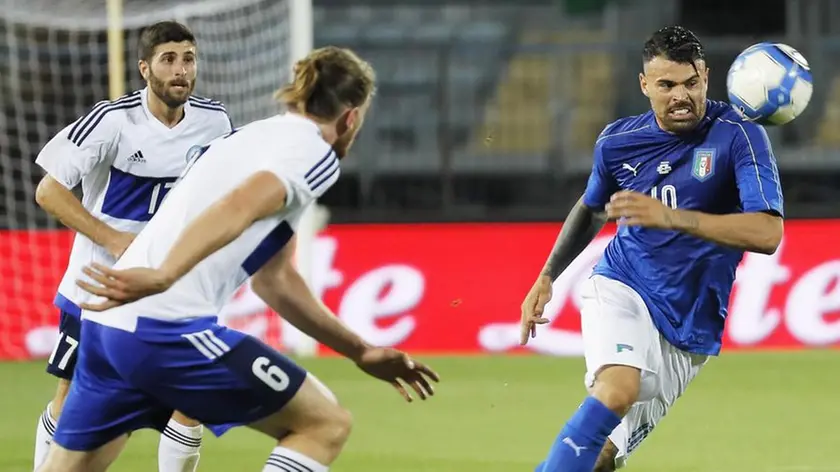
592, 375
88, 446
59, 374
219, 429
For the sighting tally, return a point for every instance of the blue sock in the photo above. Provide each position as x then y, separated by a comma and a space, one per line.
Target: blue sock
579, 444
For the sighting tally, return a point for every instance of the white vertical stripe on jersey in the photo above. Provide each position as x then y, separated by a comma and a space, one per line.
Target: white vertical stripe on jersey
754, 160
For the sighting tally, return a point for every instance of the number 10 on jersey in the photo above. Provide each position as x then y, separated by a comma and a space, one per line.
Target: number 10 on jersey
668, 195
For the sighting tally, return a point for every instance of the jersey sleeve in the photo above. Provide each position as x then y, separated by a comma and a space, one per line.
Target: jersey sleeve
218, 119
71, 154
601, 184
227, 124
223, 123
306, 177
756, 173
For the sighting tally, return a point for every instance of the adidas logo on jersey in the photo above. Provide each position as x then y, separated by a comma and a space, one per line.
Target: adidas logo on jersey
137, 157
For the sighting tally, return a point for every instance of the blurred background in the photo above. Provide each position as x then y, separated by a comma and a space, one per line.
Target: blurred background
478, 144
487, 110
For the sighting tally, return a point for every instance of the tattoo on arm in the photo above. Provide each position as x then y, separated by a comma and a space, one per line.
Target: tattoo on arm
581, 226
606, 460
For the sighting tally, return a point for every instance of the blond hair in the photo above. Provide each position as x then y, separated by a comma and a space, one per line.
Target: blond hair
328, 81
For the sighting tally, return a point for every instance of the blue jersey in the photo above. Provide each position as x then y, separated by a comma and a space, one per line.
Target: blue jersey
726, 165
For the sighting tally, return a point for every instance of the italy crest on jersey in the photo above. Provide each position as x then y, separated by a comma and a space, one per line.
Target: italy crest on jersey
704, 164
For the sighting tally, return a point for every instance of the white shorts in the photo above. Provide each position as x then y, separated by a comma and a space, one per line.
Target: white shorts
617, 330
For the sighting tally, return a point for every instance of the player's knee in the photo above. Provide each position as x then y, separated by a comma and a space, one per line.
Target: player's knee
324, 421
616, 397
617, 387
336, 429
330, 430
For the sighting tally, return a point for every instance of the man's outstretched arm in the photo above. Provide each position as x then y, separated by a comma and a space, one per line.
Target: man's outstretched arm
283, 289
581, 226
756, 232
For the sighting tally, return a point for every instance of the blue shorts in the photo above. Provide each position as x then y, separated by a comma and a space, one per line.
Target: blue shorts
128, 381
62, 361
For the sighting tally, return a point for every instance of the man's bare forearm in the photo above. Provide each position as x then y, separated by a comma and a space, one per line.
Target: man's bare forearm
579, 229
222, 222
755, 232
212, 230
292, 299
61, 203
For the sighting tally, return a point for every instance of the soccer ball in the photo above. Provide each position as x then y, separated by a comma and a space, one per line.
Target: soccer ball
769, 83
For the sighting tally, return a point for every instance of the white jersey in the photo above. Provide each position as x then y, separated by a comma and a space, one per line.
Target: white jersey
290, 147
126, 161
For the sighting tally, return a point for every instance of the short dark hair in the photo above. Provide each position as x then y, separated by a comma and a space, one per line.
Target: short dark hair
160, 33
674, 43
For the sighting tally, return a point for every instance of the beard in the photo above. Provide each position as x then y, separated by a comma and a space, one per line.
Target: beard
169, 93
683, 122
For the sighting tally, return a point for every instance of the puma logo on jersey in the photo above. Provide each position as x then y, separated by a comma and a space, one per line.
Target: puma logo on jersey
137, 157
632, 169
571, 443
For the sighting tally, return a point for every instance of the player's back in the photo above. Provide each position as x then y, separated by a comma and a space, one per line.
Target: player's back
126, 162
290, 147
724, 166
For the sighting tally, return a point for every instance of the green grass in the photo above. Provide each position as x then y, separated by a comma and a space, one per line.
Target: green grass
745, 412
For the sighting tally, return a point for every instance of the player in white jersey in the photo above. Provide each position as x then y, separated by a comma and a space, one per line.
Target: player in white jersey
126, 154
153, 345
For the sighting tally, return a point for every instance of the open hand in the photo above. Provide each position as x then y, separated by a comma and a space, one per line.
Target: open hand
639, 209
533, 307
119, 287
394, 367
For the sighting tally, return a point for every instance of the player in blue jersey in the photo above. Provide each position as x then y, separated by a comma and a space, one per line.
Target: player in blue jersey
692, 186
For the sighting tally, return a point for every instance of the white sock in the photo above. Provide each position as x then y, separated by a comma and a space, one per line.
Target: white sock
44, 436
179, 446
287, 460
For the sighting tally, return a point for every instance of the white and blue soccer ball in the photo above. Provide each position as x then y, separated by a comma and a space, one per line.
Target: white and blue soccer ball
770, 83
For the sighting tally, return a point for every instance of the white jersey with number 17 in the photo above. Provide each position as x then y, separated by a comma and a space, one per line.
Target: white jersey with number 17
290, 147
126, 161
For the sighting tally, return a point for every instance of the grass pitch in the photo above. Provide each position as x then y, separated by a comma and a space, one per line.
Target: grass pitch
768, 412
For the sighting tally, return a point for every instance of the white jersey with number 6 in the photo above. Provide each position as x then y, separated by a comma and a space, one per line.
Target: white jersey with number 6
290, 147
126, 161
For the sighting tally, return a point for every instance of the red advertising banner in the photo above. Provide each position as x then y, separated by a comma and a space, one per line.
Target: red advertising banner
456, 289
